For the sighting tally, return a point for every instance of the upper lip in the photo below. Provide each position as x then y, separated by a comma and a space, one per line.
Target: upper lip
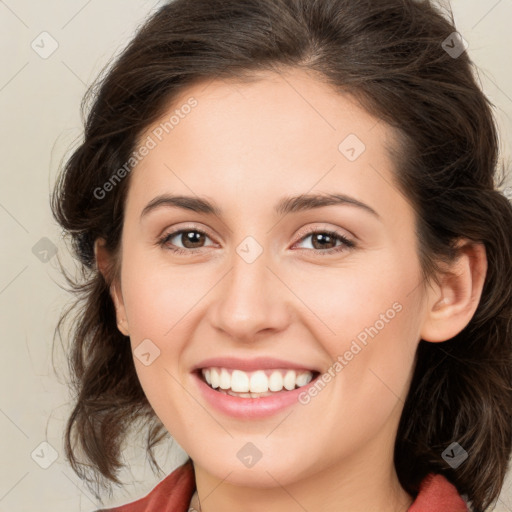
258, 363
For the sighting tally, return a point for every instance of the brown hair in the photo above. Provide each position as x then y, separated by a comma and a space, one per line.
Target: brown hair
389, 55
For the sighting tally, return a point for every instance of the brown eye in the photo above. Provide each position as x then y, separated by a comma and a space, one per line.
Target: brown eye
192, 239
184, 240
326, 242
323, 241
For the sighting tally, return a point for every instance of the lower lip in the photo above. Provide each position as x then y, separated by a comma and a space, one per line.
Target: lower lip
250, 408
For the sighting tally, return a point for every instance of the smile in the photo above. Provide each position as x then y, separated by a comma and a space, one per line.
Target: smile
255, 384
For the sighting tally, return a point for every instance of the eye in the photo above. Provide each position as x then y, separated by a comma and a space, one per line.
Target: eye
190, 239
326, 242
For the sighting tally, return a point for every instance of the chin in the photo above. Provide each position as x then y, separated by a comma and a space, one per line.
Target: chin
267, 472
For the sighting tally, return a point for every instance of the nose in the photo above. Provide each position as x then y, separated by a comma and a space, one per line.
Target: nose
250, 300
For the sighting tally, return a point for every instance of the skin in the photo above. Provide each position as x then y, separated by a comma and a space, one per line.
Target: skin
244, 147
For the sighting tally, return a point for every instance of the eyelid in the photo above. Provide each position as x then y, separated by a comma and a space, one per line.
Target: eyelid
310, 229
175, 229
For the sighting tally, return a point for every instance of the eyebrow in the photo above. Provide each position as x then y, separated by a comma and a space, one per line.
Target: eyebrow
286, 205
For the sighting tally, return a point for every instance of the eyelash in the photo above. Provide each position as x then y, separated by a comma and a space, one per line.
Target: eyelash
347, 244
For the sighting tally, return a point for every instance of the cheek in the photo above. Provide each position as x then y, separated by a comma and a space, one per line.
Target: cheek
157, 300
369, 376
371, 296
157, 296
367, 318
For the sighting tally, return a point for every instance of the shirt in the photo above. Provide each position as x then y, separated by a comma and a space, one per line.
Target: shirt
173, 494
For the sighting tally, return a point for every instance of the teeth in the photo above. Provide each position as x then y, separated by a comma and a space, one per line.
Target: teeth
289, 380
302, 379
225, 379
239, 381
275, 382
258, 383
214, 376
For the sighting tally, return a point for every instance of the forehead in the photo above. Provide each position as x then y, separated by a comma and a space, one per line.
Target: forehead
275, 107
280, 132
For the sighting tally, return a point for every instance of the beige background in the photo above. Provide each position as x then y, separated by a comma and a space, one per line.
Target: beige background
40, 121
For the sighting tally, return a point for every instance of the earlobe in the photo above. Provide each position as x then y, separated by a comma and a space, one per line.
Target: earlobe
452, 303
105, 265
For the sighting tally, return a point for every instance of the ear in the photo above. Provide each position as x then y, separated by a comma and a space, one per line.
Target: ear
453, 302
105, 264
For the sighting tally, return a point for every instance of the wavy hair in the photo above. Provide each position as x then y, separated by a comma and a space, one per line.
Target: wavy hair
391, 55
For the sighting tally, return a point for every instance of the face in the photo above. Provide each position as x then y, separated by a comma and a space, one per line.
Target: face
271, 290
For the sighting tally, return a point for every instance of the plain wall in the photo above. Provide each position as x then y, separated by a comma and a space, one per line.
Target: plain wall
40, 122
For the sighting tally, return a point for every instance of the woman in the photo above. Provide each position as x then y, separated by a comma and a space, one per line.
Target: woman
297, 261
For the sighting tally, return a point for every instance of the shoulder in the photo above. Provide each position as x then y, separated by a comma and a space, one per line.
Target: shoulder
172, 494
437, 494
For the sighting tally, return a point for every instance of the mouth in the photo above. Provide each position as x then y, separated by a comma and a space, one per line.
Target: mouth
255, 384
252, 389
